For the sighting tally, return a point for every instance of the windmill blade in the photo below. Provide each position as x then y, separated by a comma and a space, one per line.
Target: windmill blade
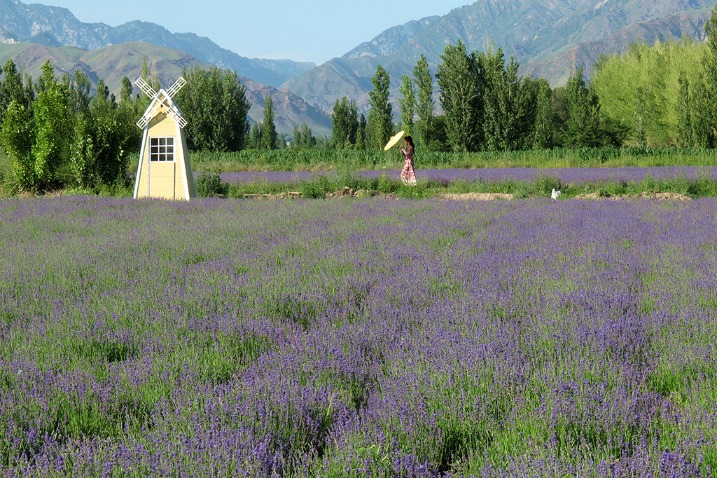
174, 89
177, 117
143, 121
144, 86
147, 116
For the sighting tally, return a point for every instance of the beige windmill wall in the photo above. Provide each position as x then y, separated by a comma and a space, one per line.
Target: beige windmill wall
159, 179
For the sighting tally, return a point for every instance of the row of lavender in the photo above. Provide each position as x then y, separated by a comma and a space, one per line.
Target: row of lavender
357, 338
564, 175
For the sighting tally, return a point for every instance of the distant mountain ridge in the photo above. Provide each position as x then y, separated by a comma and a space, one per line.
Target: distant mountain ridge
57, 26
549, 38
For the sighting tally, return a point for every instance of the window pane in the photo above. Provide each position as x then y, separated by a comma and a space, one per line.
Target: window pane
161, 149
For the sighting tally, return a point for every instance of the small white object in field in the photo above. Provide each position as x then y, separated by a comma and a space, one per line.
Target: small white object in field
555, 194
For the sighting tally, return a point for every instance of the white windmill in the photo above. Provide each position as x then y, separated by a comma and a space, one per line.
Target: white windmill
164, 170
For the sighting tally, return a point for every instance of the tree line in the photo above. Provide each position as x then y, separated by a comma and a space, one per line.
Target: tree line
56, 135
659, 95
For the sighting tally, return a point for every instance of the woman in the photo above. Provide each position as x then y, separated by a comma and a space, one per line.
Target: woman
408, 175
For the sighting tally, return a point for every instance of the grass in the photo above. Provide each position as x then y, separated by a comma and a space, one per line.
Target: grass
333, 159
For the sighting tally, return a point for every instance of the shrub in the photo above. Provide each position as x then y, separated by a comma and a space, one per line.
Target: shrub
209, 185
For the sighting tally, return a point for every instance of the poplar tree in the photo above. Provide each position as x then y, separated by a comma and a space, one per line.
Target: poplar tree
215, 105
425, 104
255, 136
684, 113
543, 128
269, 136
51, 149
505, 107
710, 75
460, 88
582, 126
18, 125
344, 123
407, 103
307, 136
380, 116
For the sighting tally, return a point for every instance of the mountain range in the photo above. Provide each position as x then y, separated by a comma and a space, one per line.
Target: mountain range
549, 39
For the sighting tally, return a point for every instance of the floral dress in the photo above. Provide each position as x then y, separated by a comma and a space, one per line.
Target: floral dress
408, 175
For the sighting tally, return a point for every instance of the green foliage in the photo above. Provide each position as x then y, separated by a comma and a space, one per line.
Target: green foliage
63, 137
269, 137
215, 106
424, 104
345, 123
582, 126
508, 110
210, 185
543, 136
710, 80
380, 117
316, 187
18, 133
653, 92
303, 137
407, 103
460, 86
51, 150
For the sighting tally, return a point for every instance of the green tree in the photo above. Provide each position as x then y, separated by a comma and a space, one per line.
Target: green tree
114, 136
18, 135
126, 90
582, 127
215, 106
685, 136
380, 116
506, 107
460, 87
407, 103
18, 125
255, 136
51, 150
684, 125
297, 139
543, 129
307, 136
425, 104
361, 132
269, 136
14, 86
344, 123
80, 92
702, 134
709, 120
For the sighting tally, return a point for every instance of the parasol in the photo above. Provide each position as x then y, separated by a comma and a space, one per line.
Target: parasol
394, 139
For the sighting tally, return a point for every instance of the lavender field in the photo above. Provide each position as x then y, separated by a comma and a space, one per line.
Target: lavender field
370, 337
565, 175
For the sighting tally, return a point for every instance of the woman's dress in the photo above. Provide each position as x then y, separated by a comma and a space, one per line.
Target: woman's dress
408, 175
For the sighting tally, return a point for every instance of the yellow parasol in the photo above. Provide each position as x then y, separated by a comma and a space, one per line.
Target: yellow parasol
394, 139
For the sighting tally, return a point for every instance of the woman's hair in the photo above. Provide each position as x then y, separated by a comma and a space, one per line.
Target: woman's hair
410, 141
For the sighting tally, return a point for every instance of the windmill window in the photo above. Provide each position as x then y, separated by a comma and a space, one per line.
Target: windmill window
161, 149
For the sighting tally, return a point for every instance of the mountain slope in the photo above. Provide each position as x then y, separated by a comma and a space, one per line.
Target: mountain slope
549, 38
57, 26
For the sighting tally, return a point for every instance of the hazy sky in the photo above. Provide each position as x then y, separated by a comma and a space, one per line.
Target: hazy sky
300, 30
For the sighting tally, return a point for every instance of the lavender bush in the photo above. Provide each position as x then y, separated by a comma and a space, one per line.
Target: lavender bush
357, 338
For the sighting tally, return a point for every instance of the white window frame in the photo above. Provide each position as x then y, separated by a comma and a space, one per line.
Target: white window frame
162, 149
